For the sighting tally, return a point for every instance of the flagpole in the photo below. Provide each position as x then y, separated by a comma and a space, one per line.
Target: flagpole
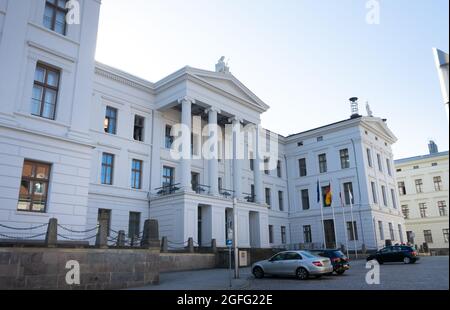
319, 199
334, 218
353, 222
345, 223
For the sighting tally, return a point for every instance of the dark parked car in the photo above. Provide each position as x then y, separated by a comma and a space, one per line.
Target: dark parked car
397, 253
338, 259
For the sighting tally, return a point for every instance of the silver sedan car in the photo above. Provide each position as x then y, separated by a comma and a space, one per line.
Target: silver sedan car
301, 264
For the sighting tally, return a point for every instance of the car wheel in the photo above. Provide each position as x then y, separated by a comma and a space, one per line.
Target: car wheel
258, 272
380, 261
340, 271
302, 274
407, 260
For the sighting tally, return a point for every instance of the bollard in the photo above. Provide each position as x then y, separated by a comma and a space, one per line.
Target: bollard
121, 239
164, 245
51, 238
190, 246
150, 236
213, 246
102, 235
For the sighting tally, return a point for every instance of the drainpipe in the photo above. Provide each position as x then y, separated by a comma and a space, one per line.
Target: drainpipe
359, 191
288, 198
150, 161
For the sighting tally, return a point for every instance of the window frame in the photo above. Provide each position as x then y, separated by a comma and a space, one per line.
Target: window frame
139, 127
437, 181
135, 172
323, 167
32, 179
303, 170
428, 236
307, 234
305, 199
46, 87
350, 226
55, 10
423, 210
442, 207
137, 224
107, 166
111, 127
281, 200
170, 177
344, 156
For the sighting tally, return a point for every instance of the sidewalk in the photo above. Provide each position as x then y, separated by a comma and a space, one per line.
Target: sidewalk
210, 279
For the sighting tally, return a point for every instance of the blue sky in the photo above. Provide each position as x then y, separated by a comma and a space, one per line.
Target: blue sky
304, 58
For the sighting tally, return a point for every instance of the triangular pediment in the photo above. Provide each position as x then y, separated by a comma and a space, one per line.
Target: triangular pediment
379, 125
229, 84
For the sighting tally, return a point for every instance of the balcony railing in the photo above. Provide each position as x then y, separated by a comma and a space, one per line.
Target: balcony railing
226, 193
201, 188
249, 197
167, 189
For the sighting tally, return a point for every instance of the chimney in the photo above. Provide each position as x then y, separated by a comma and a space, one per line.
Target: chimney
432, 147
354, 107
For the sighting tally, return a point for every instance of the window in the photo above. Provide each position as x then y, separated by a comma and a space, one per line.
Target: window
388, 166
380, 166
110, 124
195, 181
381, 230
34, 187
352, 231
279, 168
134, 224
401, 188
280, 200
319, 139
383, 192
268, 196
55, 15
45, 91
348, 191
345, 159
168, 138
270, 234
416, 167
369, 158
266, 165
428, 236
374, 192
252, 193
283, 234
107, 169
437, 184
139, 123
323, 163
300, 143
136, 174
399, 170
307, 237
445, 233
394, 200
391, 231
305, 199
442, 208
434, 164
423, 210
168, 176
252, 162
220, 184
400, 232
302, 167
419, 186
405, 211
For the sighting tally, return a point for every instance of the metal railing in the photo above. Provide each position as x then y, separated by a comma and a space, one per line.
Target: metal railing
168, 189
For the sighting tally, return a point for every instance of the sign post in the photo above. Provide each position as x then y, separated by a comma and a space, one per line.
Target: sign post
230, 245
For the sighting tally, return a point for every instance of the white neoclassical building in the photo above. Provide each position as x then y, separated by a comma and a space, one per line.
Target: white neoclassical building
79, 140
423, 188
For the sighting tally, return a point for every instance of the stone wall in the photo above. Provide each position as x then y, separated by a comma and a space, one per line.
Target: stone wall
45, 268
169, 262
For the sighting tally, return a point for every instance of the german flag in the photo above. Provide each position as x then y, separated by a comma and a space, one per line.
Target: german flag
328, 196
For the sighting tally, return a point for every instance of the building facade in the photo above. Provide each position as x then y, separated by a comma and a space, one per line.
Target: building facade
423, 188
81, 140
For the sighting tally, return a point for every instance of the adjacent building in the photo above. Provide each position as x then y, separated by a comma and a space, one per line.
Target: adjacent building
80, 140
423, 188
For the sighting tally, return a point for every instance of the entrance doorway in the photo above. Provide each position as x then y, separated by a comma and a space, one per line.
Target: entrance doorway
330, 238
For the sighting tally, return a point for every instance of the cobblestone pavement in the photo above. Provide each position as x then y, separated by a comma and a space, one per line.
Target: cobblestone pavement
429, 273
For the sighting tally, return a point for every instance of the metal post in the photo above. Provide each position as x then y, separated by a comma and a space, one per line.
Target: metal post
229, 263
236, 253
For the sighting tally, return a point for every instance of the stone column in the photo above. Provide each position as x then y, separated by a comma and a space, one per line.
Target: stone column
237, 178
257, 168
213, 163
186, 121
